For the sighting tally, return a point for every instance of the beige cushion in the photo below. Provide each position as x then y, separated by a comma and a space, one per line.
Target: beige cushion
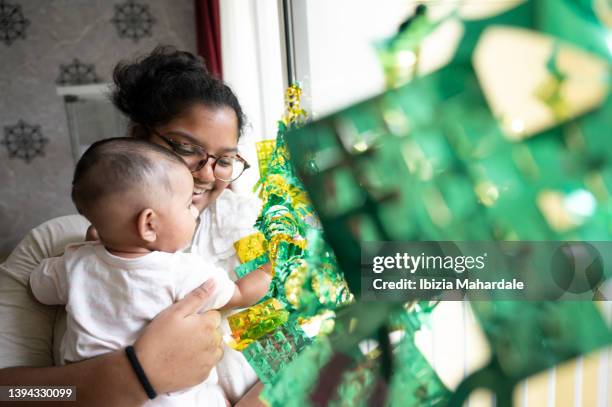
27, 327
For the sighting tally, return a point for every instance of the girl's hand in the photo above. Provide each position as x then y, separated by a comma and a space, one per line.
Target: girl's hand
179, 347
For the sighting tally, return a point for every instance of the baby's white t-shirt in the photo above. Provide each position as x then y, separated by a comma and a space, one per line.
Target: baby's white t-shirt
109, 301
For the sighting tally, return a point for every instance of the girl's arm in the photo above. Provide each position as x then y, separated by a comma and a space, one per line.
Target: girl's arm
105, 380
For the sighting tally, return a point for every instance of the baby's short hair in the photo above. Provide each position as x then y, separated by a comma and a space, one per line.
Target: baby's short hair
120, 165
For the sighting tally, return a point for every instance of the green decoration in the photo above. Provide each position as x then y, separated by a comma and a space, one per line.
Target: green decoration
428, 161
399, 55
335, 371
271, 353
245, 268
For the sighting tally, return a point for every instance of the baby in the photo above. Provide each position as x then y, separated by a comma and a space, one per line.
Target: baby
137, 196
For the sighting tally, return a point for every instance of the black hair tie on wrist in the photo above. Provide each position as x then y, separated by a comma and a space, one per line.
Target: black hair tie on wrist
142, 377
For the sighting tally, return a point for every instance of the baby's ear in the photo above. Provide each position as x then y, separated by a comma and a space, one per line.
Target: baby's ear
147, 225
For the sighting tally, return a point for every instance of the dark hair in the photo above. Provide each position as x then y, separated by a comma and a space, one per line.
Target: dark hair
116, 165
156, 89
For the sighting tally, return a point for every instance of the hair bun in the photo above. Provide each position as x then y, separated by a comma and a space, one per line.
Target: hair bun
156, 89
143, 88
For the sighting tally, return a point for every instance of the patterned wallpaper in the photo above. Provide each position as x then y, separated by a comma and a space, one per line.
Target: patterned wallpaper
48, 43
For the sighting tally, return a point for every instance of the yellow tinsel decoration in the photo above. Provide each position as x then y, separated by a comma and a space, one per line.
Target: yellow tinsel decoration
294, 114
250, 247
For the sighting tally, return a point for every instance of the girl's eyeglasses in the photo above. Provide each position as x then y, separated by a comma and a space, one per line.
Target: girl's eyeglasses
225, 168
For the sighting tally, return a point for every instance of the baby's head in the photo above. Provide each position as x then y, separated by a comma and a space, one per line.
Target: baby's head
136, 194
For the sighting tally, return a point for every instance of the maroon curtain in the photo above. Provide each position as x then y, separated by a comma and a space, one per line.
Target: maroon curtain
208, 34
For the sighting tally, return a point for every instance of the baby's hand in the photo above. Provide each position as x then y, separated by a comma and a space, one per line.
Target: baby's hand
251, 288
91, 234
